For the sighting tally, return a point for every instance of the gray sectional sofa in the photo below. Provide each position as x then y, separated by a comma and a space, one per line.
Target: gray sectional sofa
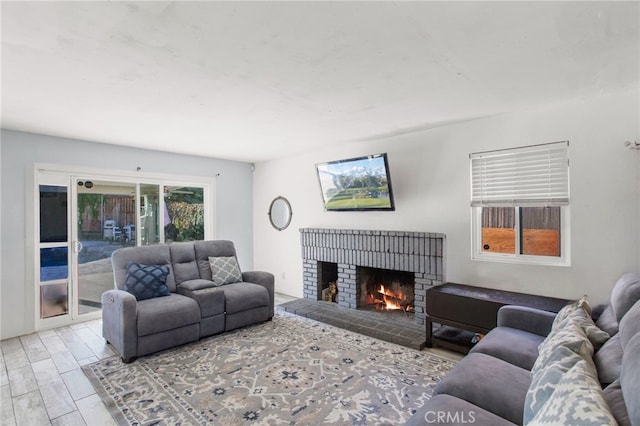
539, 368
167, 295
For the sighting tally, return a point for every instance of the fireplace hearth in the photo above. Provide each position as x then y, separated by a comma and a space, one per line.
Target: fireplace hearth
411, 261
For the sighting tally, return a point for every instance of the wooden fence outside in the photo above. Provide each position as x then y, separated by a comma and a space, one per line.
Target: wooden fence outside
540, 230
120, 208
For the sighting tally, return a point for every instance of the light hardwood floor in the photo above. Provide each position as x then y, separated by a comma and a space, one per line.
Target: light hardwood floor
41, 380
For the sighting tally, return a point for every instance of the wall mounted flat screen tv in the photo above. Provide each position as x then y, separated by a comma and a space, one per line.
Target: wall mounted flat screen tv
361, 183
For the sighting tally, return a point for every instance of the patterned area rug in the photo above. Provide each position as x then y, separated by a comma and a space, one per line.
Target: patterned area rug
289, 371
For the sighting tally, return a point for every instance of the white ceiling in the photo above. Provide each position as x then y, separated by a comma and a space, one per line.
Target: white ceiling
253, 81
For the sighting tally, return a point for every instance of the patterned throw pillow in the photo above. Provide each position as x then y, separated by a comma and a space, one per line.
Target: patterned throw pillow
577, 400
580, 312
146, 281
544, 383
569, 339
559, 352
224, 270
569, 309
597, 336
564, 347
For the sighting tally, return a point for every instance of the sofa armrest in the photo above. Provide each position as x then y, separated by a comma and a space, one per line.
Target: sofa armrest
523, 318
119, 322
265, 279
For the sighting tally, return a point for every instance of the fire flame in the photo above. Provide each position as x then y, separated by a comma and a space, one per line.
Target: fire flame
392, 300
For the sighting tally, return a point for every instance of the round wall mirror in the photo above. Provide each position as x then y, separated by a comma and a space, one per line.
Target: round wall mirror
280, 213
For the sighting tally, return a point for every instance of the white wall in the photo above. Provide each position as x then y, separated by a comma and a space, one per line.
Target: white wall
20, 151
430, 177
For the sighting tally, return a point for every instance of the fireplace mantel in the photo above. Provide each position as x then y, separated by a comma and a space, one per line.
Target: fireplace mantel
419, 252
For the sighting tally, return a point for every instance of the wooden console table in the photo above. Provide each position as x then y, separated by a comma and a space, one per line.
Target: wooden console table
463, 310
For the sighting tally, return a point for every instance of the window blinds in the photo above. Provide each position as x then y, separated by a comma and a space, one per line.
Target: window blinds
529, 175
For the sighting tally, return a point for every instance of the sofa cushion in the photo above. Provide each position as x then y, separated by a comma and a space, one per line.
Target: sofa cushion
166, 313
607, 321
146, 281
630, 324
625, 293
445, 409
630, 378
242, 296
608, 360
490, 383
615, 401
515, 346
147, 255
183, 260
577, 400
225, 270
206, 249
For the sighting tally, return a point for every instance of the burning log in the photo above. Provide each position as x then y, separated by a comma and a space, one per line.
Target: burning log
394, 301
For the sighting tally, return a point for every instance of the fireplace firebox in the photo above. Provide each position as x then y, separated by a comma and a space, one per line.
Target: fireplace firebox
386, 290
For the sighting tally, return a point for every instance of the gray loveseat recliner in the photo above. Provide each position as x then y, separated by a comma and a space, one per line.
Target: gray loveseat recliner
195, 306
495, 384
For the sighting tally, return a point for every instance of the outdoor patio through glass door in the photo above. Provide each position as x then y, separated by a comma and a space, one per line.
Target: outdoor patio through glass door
105, 221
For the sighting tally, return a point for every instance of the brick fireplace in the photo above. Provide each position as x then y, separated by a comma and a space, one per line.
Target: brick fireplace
344, 255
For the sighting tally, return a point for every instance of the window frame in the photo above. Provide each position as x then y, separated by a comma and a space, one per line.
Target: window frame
516, 201
478, 254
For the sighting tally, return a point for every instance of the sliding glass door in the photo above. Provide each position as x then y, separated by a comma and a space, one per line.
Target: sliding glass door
84, 218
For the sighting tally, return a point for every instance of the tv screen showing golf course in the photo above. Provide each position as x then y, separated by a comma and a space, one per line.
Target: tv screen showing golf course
361, 183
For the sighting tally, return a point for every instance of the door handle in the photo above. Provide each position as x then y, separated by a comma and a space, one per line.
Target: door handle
78, 246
